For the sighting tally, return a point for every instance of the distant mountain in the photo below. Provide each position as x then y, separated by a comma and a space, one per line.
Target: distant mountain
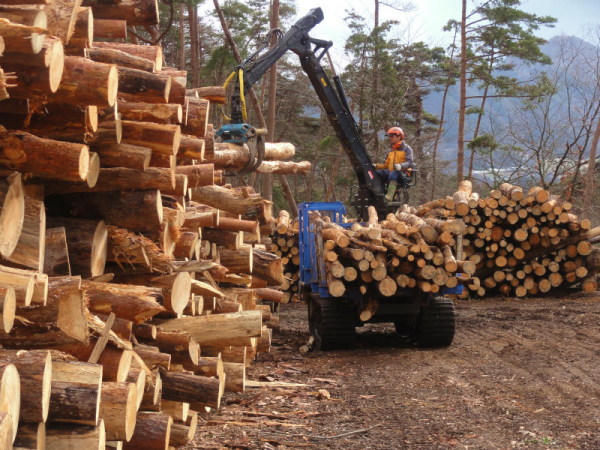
498, 108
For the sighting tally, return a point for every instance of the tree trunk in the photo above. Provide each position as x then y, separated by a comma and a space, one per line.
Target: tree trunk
110, 28
124, 155
197, 117
196, 390
141, 86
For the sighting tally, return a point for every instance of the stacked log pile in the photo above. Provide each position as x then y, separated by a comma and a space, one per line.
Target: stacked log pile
522, 242
131, 277
378, 258
512, 242
285, 244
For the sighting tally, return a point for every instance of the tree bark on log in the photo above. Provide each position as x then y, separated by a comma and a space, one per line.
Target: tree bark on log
197, 117
110, 28
65, 122
28, 19
170, 113
29, 435
66, 436
124, 155
62, 15
210, 329
56, 256
228, 200
152, 53
191, 148
139, 211
267, 266
120, 58
161, 138
141, 86
135, 12
87, 244
193, 389
87, 82
35, 372
134, 303
118, 408
152, 431
44, 157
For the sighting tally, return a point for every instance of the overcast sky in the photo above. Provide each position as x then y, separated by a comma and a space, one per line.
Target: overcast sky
429, 16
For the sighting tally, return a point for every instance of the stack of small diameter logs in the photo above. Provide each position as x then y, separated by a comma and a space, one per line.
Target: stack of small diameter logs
284, 243
379, 257
522, 242
104, 259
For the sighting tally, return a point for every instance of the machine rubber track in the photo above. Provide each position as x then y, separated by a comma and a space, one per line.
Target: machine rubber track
335, 325
436, 324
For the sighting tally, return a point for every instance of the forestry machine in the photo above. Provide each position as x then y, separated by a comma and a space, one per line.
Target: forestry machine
428, 320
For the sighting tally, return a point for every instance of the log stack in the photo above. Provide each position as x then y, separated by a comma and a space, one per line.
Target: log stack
124, 255
285, 244
523, 242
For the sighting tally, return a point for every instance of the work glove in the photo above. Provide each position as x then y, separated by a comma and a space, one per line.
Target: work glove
403, 166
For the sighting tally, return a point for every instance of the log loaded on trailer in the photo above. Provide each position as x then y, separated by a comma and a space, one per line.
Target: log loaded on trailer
429, 319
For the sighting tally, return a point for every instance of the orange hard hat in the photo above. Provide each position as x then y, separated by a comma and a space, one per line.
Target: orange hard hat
395, 130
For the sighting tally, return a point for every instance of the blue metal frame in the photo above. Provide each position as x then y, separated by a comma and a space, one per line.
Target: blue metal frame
309, 265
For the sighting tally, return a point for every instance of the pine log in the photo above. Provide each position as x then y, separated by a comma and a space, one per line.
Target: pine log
213, 328
65, 122
461, 197
139, 211
29, 435
124, 155
135, 12
193, 389
215, 94
151, 112
35, 371
142, 86
118, 410
228, 200
21, 281
191, 148
36, 74
12, 213
152, 431
267, 266
120, 58
120, 178
44, 157
10, 397
181, 434
56, 256
137, 376
83, 32
197, 117
87, 82
70, 437
8, 304
187, 244
152, 357
87, 244
152, 53
285, 167
62, 15
76, 391
235, 376
177, 410
161, 138
181, 346
110, 28
134, 303
28, 19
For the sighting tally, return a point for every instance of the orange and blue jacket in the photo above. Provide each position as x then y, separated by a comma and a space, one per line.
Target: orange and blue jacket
397, 155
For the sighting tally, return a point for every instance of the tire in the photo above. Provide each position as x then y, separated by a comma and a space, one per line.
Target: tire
331, 323
436, 324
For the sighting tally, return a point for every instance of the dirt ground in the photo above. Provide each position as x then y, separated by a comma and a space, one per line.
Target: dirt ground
520, 374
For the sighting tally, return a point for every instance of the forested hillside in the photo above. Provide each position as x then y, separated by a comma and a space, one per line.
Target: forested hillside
527, 116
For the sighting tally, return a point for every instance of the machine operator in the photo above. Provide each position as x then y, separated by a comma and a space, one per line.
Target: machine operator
399, 159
